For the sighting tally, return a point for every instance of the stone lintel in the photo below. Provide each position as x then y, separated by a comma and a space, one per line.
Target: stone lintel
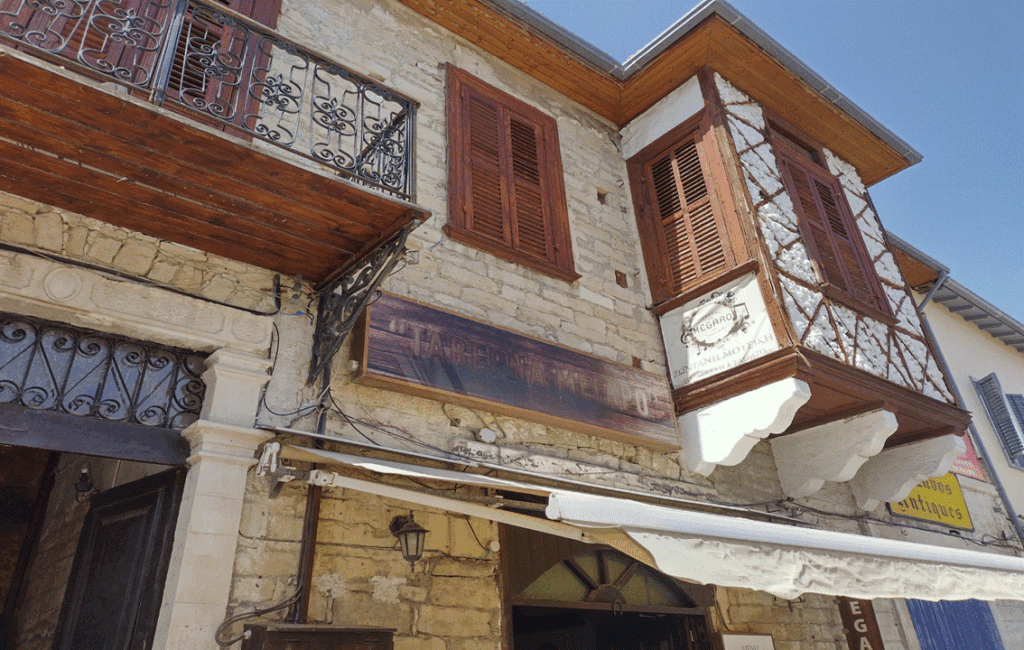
833, 451
725, 432
892, 474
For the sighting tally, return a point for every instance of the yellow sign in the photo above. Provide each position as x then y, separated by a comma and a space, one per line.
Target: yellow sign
936, 499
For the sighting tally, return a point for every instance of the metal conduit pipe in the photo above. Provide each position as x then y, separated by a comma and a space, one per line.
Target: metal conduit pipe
1018, 525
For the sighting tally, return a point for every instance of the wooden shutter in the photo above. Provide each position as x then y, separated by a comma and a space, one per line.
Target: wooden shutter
529, 226
506, 193
691, 237
486, 206
198, 35
991, 394
832, 236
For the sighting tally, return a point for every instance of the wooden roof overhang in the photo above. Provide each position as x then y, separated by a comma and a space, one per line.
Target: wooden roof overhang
567, 66
125, 162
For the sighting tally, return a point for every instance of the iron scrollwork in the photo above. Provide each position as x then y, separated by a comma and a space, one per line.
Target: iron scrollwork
232, 70
343, 301
58, 368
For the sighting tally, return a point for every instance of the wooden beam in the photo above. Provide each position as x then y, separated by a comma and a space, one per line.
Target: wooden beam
78, 435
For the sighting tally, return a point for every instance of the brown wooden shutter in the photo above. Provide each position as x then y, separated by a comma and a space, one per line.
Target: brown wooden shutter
832, 233
530, 231
506, 194
691, 234
486, 206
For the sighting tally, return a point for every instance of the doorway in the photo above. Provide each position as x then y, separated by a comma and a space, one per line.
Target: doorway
568, 595
91, 558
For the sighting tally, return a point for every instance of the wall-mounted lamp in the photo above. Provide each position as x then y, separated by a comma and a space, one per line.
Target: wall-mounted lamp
411, 537
84, 488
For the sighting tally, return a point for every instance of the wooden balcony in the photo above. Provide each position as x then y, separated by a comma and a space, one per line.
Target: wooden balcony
211, 131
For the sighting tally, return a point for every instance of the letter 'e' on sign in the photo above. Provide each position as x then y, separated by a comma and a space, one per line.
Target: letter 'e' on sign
747, 642
859, 623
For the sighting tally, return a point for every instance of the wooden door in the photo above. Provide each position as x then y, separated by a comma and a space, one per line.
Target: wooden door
116, 584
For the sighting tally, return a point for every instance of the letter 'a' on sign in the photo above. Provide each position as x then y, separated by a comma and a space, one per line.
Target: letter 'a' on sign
747, 642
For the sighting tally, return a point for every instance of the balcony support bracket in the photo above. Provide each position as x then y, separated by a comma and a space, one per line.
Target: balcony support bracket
833, 451
725, 432
343, 301
892, 474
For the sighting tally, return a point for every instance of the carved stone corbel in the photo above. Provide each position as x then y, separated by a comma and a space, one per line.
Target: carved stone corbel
833, 451
892, 474
725, 432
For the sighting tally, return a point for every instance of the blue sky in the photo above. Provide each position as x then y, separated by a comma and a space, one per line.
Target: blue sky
945, 76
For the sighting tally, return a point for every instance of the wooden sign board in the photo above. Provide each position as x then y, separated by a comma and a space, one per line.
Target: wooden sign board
860, 625
410, 347
938, 500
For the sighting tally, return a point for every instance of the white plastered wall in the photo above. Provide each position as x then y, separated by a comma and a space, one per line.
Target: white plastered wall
970, 352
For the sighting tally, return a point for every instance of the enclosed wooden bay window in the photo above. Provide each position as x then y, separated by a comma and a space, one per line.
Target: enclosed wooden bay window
506, 192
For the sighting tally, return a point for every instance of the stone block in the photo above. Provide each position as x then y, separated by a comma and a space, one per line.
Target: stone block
77, 238
18, 228
49, 229
103, 248
135, 256
471, 593
455, 622
13, 201
420, 643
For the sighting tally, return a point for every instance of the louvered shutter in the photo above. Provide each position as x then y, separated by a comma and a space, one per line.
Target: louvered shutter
486, 206
530, 231
832, 234
506, 187
991, 394
189, 84
691, 236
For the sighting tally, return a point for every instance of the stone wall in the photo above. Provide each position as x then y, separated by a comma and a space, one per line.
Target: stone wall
450, 600
63, 234
811, 622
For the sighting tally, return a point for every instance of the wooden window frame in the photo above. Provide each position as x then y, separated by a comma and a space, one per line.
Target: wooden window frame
557, 261
657, 258
793, 149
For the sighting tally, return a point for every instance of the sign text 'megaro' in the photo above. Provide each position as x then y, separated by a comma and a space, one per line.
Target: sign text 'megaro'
425, 351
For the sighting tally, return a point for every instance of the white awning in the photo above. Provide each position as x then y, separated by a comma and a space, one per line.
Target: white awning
716, 549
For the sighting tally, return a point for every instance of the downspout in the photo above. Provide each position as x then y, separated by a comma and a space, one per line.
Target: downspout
1018, 525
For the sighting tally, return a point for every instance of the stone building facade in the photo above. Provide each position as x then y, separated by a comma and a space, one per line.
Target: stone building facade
305, 534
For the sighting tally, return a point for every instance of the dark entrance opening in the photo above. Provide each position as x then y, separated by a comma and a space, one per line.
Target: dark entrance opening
567, 595
84, 568
552, 628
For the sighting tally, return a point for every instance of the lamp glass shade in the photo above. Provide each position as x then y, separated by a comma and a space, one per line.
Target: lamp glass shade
411, 537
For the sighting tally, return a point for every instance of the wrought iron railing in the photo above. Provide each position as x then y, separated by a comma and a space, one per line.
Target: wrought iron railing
52, 367
231, 71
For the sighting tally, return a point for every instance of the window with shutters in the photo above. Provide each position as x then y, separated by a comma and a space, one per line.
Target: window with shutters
506, 193
998, 407
682, 230
830, 233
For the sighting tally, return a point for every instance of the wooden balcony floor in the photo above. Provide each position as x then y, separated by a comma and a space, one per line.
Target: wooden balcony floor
124, 162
